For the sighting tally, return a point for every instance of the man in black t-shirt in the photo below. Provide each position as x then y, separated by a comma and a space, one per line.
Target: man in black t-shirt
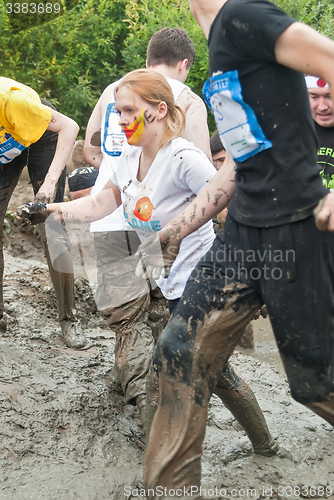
272, 250
323, 115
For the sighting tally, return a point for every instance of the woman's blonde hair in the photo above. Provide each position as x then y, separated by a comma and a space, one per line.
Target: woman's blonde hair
154, 88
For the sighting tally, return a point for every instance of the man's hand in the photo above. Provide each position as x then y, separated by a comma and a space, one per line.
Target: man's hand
32, 213
158, 253
43, 197
324, 213
46, 193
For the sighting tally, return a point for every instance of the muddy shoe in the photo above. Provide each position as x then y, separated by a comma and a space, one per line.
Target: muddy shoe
268, 450
72, 334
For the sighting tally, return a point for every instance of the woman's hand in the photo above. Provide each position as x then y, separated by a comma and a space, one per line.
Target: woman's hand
158, 254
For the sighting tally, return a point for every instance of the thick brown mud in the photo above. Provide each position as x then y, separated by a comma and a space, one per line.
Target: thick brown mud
66, 432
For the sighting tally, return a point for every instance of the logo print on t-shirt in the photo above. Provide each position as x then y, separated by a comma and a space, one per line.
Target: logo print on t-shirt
143, 209
9, 147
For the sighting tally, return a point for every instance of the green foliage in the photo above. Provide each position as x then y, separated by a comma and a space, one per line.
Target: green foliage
316, 13
70, 60
148, 16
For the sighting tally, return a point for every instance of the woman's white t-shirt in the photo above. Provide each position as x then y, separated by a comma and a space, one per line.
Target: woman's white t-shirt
179, 172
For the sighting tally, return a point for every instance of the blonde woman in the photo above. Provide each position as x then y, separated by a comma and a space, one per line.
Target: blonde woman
155, 181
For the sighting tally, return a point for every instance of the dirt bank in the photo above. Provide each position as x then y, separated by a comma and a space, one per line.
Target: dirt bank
67, 434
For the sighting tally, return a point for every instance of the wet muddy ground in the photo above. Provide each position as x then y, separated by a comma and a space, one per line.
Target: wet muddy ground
67, 434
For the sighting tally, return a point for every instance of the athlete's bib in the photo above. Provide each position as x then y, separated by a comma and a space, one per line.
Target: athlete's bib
236, 122
113, 137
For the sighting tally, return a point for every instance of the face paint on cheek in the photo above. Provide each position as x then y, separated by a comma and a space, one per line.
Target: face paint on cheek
134, 131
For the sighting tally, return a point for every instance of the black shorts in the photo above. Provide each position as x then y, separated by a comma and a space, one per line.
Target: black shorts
290, 268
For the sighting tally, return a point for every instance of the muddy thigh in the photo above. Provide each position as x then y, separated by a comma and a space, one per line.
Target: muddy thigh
190, 356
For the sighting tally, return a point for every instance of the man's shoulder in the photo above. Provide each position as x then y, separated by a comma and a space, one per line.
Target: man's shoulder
108, 96
241, 5
188, 98
242, 14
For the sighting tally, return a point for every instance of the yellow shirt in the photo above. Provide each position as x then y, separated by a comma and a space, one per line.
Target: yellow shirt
23, 119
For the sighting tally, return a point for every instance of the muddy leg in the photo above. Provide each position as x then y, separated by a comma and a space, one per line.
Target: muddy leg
152, 397
239, 398
9, 176
63, 282
133, 355
301, 311
246, 340
62, 277
3, 208
134, 347
41, 154
191, 353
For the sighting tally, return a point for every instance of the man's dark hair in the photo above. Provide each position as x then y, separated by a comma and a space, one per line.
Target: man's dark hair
170, 46
215, 143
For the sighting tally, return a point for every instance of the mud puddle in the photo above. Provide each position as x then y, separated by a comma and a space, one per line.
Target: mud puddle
265, 348
66, 433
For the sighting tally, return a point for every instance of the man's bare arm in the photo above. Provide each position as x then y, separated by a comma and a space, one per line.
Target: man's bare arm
92, 152
302, 48
204, 12
67, 130
196, 130
160, 251
208, 203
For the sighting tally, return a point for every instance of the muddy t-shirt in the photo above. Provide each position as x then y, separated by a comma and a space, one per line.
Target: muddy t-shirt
178, 173
23, 119
325, 154
263, 116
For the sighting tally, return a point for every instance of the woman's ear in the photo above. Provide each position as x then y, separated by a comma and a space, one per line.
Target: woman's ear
162, 110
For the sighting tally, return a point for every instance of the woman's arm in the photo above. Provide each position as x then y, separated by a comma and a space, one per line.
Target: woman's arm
89, 208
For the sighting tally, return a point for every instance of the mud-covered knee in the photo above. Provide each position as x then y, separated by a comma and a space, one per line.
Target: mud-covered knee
158, 317
174, 352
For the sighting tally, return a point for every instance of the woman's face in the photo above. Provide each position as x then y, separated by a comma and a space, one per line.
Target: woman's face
137, 117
